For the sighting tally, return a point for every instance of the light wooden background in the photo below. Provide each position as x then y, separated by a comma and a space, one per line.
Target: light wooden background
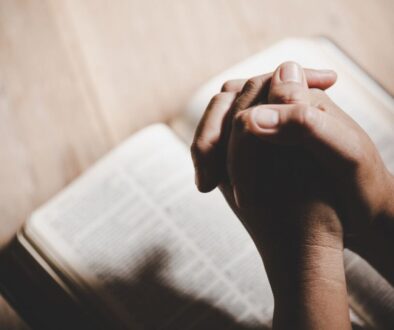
78, 76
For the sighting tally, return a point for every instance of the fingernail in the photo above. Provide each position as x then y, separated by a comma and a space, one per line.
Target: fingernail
266, 118
290, 72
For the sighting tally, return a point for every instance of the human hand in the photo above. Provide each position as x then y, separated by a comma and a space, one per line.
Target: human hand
281, 194
249, 168
364, 187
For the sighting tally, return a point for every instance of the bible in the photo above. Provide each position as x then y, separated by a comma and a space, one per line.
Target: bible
132, 244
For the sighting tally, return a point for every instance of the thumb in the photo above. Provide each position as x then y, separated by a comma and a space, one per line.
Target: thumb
288, 85
326, 135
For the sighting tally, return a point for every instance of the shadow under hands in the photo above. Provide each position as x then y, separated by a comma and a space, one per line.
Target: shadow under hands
158, 305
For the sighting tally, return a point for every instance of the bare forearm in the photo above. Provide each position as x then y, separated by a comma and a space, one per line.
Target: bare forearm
311, 294
376, 244
306, 272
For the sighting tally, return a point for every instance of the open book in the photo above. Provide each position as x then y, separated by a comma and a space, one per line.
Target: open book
132, 244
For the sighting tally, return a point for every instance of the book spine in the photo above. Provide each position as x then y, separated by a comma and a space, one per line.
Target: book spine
37, 298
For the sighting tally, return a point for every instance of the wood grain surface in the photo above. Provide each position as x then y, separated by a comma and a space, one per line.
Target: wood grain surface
79, 76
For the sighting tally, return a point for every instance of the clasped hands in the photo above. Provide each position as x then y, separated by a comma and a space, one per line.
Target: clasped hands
300, 174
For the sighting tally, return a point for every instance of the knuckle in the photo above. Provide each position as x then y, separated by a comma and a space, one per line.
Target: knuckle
217, 98
293, 96
222, 97
194, 150
200, 147
299, 115
310, 121
228, 86
304, 116
311, 118
288, 94
251, 85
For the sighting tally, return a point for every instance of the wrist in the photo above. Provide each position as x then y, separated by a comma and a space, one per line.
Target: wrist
309, 288
302, 252
292, 270
308, 246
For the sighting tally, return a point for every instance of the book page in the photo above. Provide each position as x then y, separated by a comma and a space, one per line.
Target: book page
358, 95
157, 254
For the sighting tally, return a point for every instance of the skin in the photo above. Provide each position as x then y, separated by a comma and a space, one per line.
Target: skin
304, 179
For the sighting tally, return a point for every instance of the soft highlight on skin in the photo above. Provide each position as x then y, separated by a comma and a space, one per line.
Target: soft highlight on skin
303, 187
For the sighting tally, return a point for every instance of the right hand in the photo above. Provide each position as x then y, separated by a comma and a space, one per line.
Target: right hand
363, 185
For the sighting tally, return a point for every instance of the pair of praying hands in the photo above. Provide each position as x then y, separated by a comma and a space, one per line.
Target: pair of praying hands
305, 180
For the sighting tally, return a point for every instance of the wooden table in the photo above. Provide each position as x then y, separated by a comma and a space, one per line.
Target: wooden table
78, 76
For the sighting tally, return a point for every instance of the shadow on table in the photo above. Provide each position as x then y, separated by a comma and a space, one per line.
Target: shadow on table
158, 305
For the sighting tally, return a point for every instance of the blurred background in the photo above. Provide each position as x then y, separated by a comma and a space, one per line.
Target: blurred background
79, 76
